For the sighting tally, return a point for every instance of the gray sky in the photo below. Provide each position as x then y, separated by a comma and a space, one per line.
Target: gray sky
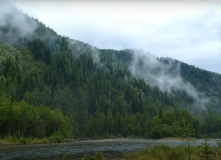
183, 30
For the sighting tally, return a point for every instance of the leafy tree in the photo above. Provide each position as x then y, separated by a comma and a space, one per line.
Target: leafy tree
109, 121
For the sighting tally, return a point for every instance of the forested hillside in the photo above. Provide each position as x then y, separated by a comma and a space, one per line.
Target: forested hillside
50, 84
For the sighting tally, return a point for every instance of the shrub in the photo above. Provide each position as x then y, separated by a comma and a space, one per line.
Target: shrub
56, 139
175, 154
98, 156
161, 131
22, 140
10, 138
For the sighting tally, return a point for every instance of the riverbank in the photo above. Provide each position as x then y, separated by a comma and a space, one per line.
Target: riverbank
166, 152
11, 141
181, 139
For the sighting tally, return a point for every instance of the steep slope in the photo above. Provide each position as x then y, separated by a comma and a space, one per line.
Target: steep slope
73, 89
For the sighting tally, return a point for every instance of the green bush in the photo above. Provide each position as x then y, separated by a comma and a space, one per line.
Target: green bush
56, 138
158, 148
98, 156
22, 140
175, 154
11, 138
161, 131
68, 134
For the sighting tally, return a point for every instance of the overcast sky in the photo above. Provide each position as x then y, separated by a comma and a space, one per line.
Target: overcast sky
183, 30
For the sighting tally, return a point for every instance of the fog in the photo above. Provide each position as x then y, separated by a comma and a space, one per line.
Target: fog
17, 21
164, 76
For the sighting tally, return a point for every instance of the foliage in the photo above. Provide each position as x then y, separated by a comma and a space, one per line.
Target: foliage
206, 149
98, 156
22, 140
187, 132
51, 84
171, 153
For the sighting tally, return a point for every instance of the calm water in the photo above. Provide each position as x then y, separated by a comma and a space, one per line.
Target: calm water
76, 150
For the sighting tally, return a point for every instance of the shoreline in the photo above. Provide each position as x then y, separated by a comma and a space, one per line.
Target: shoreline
177, 138
39, 142
7, 143
31, 142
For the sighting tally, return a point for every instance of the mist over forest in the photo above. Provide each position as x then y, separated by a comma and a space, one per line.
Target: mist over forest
54, 86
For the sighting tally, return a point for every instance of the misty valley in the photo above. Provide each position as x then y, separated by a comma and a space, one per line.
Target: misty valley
57, 95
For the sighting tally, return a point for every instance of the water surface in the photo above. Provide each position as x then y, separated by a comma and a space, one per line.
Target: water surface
112, 148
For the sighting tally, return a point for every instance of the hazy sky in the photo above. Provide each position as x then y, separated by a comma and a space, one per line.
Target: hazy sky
189, 31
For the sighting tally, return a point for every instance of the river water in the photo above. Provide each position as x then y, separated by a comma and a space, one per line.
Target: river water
111, 148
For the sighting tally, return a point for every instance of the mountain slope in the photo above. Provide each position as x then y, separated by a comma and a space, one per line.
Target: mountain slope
73, 89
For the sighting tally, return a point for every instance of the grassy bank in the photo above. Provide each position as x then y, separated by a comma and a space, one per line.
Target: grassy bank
12, 140
181, 139
165, 152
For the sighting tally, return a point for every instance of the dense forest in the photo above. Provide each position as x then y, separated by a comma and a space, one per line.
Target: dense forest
50, 84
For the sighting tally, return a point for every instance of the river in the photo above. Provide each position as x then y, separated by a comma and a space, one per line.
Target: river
112, 148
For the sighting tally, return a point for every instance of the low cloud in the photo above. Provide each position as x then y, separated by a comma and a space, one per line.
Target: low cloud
164, 76
11, 18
